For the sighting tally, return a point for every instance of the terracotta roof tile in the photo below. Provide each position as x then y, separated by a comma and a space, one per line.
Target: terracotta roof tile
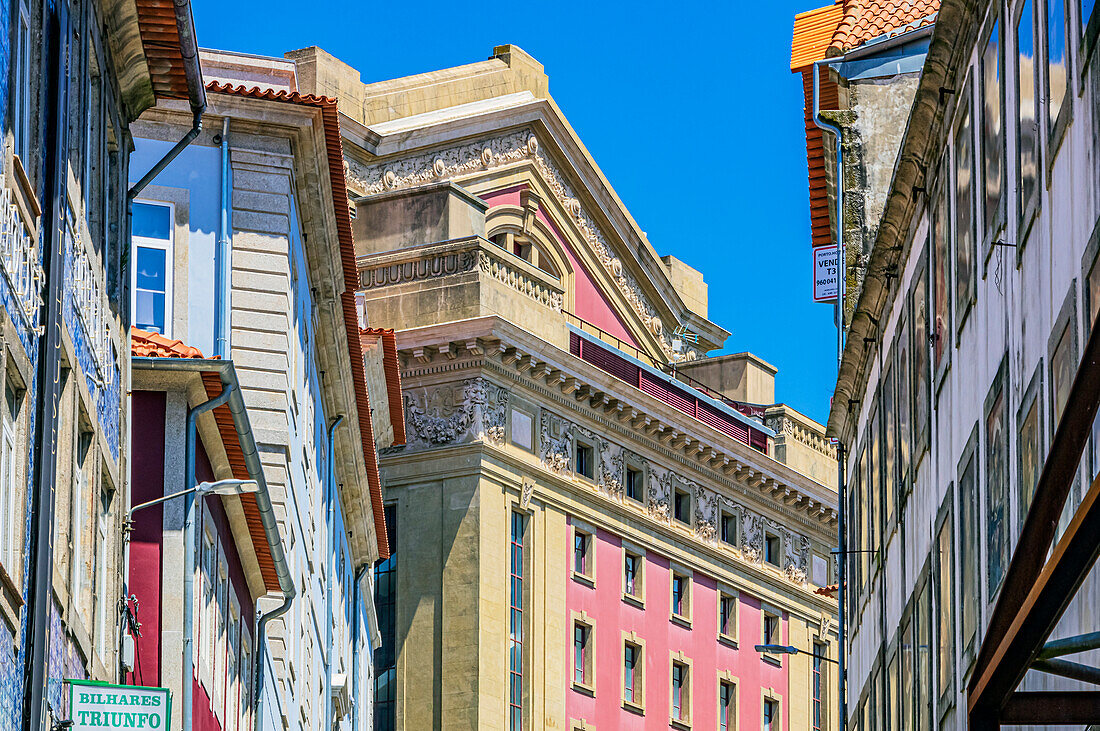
865, 20
335, 153
813, 32
154, 345
160, 39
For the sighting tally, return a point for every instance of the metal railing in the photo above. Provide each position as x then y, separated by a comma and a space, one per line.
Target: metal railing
753, 411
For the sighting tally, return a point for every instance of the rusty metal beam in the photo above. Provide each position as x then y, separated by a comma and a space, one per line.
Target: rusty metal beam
1042, 607
1042, 707
1002, 660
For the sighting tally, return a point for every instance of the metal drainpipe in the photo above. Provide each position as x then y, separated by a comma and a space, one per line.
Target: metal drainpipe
330, 496
841, 282
189, 554
222, 270
355, 705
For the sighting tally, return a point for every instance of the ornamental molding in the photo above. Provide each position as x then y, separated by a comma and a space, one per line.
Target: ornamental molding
442, 415
499, 151
785, 426
476, 256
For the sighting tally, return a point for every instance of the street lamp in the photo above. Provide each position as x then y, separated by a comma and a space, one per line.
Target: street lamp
221, 487
791, 650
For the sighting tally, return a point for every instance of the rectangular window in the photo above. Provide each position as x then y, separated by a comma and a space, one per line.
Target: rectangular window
970, 588
771, 629
632, 574
682, 506
581, 542
924, 657
893, 713
965, 255
634, 485
728, 528
85, 503
104, 606
1063, 367
21, 99
515, 624
773, 549
992, 131
1030, 450
771, 715
889, 446
727, 706
907, 679
152, 268
996, 473
681, 599
581, 635
902, 366
819, 685
945, 603
585, 462
941, 274
874, 482
632, 671
680, 689
920, 380
1027, 119
12, 509
385, 655
727, 615
1057, 66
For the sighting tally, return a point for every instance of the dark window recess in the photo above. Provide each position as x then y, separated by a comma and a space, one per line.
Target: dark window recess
771, 549
634, 484
584, 460
385, 656
681, 508
728, 528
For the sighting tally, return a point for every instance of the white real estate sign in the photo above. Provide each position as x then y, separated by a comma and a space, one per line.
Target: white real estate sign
95, 705
825, 274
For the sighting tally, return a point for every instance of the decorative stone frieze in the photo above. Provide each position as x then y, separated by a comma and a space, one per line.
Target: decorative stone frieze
706, 513
494, 152
438, 416
496, 411
555, 442
433, 266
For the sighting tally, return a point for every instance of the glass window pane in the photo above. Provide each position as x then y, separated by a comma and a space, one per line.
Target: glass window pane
149, 313
964, 218
1057, 59
152, 221
1027, 149
992, 127
997, 491
150, 268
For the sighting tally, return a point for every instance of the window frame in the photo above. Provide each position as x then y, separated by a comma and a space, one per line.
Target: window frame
945, 586
632, 466
727, 680
586, 684
769, 536
587, 533
680, 719
769, 698
991, 226
970, 460
636, 703
997, 398
689, 500
13, 495
586, 471
637, 597
728, 628
769, 612
685, 575
168, 246
22, 56
733, 514
523, 706
1027, 209
963, 128
1056, 128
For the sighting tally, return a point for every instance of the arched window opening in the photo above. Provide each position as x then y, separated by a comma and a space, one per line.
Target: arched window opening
527, 250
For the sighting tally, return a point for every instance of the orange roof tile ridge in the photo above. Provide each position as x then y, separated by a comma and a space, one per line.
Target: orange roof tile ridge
145, 344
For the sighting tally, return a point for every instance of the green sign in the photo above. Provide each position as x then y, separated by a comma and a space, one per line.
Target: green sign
94, 705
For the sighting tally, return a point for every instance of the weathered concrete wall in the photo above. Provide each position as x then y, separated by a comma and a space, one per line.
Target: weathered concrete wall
688, 283
740, 376
415, 217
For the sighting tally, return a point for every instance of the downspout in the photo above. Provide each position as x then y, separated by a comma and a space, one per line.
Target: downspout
222, 266
330, 496
237, 410
355, 704
842, 276
189, 553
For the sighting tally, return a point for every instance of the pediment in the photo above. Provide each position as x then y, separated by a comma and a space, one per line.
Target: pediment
529, 144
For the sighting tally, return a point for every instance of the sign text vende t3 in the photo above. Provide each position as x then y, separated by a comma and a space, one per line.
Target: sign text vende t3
826, 278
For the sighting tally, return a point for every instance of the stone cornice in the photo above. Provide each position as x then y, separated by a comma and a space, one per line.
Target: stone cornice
497, 345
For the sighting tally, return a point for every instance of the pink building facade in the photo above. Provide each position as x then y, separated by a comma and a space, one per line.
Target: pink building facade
619, 616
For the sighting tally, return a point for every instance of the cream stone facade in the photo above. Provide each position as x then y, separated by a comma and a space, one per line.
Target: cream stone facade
550, 443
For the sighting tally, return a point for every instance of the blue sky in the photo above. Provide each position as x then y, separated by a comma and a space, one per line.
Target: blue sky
689, 109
